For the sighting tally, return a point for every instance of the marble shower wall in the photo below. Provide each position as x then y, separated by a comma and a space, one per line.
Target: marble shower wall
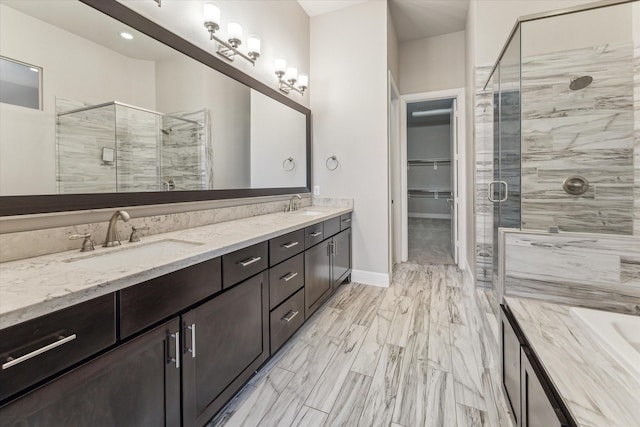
589, 132
592, 270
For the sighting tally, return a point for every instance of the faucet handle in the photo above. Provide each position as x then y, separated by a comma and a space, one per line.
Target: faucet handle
87, 243
135, 235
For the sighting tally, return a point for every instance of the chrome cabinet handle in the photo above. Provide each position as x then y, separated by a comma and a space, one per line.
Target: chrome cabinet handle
316, 234
346, 220
289, 276
61, 341
250, 261
176, 359
192, 350
290, 315
289, 245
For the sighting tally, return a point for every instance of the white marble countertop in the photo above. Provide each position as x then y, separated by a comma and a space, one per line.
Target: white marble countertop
32, 287
597, 390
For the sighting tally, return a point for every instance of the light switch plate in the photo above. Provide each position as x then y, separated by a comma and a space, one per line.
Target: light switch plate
316, 190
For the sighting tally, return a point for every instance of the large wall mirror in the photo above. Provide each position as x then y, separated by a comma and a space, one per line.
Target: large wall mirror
103, 108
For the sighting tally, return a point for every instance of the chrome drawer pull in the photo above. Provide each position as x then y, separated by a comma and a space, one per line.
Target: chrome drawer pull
192, 328
289, 276
290, 315
250, 261
289, 245
41, 350
176, 359
346, 220
316, 234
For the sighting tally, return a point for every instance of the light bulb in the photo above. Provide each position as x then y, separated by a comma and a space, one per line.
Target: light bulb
234, 31
253, 45
280, 65
292, 72
303, 81
211, 13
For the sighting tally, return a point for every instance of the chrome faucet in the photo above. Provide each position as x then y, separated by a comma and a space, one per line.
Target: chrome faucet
113, 239
292, 203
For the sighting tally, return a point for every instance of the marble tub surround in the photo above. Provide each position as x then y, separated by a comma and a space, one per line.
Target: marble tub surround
596, 389
41, 241
33, 287
590, 270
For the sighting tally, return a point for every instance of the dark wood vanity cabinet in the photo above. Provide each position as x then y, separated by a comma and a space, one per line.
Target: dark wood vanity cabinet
528, 391
136, 384
225, 340
172, 350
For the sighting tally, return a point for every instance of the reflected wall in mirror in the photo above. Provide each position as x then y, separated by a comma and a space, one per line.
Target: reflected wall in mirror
132, 114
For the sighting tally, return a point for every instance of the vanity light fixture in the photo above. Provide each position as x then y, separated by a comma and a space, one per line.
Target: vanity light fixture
229, 49
288, 77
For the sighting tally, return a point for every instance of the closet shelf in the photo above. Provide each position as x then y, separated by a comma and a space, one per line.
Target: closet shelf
430, 190
431, 161
430, 193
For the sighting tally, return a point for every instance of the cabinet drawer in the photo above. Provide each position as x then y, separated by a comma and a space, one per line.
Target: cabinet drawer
37, 349
286, 246
285, 279
331, 227
345, 221
154, 300
313, 235
286, 319
244, 263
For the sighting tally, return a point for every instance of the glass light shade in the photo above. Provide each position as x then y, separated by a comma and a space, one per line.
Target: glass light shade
234, 31
303, 80
292, 72
253, 44
280, 65
211, 13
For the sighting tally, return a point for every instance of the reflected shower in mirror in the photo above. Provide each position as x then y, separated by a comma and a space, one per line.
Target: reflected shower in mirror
122, 112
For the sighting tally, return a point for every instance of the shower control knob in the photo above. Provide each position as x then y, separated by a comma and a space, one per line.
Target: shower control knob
575, 185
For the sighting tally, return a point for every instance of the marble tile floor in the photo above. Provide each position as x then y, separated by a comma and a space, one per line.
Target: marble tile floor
404, 356
430, 241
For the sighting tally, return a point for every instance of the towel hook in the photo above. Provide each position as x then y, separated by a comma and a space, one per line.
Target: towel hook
289, 160
335, 160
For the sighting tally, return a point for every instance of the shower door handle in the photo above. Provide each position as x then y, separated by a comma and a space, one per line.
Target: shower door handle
490, 191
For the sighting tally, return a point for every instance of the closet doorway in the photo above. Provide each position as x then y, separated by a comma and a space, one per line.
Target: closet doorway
431, 180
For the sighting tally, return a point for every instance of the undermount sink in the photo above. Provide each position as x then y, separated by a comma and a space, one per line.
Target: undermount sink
616, 333
124, 256
310, 212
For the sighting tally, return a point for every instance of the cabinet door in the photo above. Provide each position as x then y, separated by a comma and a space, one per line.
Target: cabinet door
317, 276
136, 384
537, 408
341, 261
225, 341
510, 364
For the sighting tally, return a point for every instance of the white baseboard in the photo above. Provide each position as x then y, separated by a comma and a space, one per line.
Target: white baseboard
370, 278
428, 215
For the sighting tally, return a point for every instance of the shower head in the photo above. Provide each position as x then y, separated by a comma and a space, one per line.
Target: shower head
580, 82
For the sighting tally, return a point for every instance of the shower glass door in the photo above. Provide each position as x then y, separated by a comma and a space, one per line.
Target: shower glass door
504, 190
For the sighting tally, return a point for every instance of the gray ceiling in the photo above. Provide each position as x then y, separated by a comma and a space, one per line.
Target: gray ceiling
417, 19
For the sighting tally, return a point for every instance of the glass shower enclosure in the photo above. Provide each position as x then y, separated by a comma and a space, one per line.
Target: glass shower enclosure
564, 121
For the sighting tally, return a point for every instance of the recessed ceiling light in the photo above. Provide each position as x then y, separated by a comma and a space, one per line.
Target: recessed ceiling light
126, 35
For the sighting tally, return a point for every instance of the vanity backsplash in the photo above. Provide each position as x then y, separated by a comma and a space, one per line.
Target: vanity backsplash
42, 241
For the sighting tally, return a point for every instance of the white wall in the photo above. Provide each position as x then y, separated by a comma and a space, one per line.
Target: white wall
271, 145
185, 85
433, 63
282, 26
393, 49
73, 68
470, 159
349, 106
